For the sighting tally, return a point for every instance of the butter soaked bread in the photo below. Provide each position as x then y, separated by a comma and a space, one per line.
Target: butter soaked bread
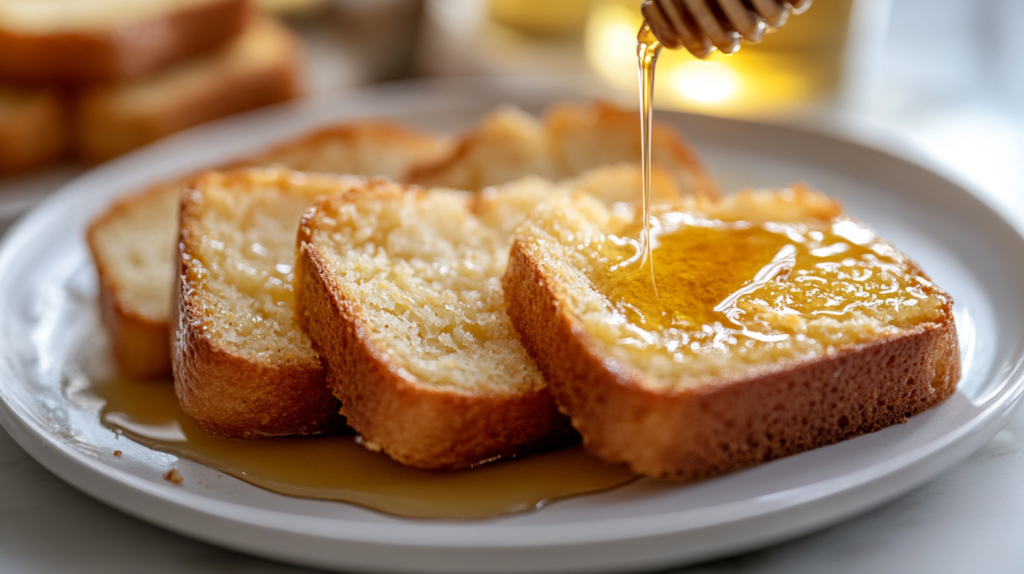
134, 242
102, 40
32, 128
242, 367
569, 140
779, 325
261, 66
399, 290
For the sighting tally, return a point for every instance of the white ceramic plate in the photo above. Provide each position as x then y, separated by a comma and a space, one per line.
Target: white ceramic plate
49, 333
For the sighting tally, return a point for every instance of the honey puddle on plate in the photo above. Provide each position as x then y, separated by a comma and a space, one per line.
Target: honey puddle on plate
338, 468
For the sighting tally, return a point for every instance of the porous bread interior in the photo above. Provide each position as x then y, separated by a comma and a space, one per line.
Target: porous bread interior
136, 247
554, 231
137, 238
56, 16
264, 42
241, 263
425, 268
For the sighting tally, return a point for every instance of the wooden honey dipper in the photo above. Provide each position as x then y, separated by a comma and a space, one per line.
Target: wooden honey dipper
701, 26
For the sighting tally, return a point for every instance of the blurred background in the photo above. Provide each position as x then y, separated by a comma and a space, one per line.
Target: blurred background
940, 80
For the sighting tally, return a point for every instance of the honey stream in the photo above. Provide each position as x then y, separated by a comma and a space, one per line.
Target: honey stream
338, 468
647, 50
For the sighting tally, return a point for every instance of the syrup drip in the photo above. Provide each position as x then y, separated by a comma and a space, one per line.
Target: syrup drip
647, 50
338, 468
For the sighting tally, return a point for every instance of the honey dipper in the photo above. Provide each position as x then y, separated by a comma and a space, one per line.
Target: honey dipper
701, 26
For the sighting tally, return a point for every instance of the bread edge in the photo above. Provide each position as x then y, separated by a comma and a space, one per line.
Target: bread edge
102, 130
210, 379
139, 343
714, 429
413, 423
114, 54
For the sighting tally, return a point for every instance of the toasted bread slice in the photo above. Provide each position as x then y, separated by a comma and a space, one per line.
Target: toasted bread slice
32, 131
260, 67
779, 325
101, 40
399, 290
242, 367
134, 242
571, 139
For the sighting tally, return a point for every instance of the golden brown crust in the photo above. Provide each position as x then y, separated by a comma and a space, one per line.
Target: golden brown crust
414, 423
230, 394
104, 129
712, 429
128, 51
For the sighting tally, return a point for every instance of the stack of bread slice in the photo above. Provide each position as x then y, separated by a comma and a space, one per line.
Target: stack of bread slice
455, 327
111, 75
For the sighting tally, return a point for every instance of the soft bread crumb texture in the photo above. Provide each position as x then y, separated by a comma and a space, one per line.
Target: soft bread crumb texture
810, 313
137, 240
241, 256
426, 271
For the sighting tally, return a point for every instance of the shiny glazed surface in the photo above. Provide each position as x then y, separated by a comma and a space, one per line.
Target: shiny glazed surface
338, 468
756, 289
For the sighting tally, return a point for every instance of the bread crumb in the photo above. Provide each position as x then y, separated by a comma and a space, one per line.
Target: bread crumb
117, 453
174, 476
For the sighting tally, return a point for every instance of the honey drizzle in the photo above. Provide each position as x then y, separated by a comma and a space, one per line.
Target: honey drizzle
337, 468
647, 50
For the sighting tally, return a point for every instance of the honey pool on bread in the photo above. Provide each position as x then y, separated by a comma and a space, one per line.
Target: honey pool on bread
735, 292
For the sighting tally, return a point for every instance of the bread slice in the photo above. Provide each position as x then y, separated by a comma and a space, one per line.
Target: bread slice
260, 67
32, 131
399, 290
570, 140
134, 242
101, 40
242, 367
780, 325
